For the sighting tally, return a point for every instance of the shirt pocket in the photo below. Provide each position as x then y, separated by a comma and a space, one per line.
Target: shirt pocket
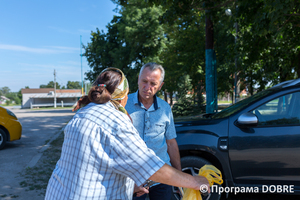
160, 128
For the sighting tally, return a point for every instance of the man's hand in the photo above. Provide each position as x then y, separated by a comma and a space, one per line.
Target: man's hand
203, 184
139, 190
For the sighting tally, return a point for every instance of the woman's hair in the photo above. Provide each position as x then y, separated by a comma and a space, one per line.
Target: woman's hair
108, 81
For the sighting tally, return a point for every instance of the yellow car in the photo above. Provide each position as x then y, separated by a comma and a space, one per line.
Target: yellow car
10, 127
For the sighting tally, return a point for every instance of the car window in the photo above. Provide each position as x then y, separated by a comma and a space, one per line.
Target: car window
241, 104
279, 111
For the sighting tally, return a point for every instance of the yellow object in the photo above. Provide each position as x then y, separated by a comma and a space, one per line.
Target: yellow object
212, 174
191, 194
10, 127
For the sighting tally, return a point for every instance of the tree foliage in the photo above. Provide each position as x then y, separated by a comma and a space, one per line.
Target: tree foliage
50, 85
4, 91
269, 41
13, 96
267, 47
132, 39
74, 85
259, 42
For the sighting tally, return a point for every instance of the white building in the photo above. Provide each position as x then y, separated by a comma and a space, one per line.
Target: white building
44, 97
3, 99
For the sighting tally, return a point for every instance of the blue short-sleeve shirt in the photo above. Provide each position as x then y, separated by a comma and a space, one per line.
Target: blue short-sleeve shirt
155, 125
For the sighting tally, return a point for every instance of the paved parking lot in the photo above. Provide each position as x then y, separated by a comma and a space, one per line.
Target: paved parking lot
39, 127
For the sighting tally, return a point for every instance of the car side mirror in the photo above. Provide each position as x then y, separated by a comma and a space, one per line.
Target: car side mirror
247, 120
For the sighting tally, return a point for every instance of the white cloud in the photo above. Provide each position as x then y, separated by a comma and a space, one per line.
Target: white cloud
65, 49
70, 62
62, 30
49, 50
26, 49
85, 31
34, 67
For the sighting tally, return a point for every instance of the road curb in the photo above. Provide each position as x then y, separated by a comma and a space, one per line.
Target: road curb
37, 157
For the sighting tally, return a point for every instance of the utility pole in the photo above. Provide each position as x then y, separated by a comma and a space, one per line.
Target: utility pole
81, 67
210, 67
54, 89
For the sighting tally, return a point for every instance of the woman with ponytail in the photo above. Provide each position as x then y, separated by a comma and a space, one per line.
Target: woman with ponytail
111, 85
103, 155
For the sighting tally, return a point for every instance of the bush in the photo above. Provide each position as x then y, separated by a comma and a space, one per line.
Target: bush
17, 101
180, 109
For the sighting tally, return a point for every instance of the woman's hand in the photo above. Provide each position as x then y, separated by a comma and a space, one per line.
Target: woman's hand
139, 190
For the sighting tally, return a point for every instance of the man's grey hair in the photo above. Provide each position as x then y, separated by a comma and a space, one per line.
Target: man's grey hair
154, 66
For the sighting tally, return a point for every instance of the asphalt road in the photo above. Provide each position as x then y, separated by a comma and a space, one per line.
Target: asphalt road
39, 126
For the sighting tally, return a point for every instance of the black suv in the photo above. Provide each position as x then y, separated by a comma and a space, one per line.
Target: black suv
255, 142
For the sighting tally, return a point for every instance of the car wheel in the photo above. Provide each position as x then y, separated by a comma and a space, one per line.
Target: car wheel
192, 165
2, 139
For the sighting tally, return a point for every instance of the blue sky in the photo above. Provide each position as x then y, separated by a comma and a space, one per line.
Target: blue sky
38, 36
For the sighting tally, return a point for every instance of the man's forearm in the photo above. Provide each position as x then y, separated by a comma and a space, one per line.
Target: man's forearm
171, 176
173, 152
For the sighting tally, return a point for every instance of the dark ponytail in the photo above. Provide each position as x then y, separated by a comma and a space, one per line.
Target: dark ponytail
101, 94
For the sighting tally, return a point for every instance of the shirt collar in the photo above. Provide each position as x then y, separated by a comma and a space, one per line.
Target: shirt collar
136, 100
109, 104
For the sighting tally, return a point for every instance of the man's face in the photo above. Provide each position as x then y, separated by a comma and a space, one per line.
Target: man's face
149, 83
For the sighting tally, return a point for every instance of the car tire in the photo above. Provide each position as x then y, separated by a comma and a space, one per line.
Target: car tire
191, 165
2, 139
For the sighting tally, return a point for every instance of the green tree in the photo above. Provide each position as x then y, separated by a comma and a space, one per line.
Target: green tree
50, 85
178, 56
267, 49
13, 96
262, 49
4, 91
110, 50
20, 96
8, 102
184, 26
185, 105
74, 85
269, 41
143, 31
184, 53
133, 39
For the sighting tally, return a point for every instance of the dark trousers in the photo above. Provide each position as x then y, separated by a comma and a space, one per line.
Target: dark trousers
157, 192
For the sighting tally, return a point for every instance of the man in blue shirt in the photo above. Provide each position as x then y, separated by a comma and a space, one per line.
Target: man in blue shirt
153, 119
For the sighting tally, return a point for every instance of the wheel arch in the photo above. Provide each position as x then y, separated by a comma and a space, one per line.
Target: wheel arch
207, 156
6, 131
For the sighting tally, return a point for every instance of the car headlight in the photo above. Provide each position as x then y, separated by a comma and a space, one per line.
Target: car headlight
11, 114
